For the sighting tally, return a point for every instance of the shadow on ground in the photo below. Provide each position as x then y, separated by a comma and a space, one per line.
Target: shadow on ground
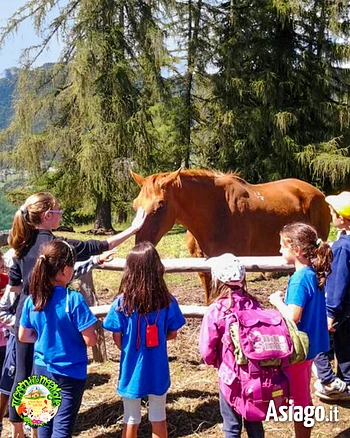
95, 379
181, 422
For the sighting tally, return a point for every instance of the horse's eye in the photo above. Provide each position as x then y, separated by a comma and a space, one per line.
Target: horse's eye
160, 204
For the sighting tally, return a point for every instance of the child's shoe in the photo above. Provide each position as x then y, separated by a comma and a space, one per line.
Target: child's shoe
336, 390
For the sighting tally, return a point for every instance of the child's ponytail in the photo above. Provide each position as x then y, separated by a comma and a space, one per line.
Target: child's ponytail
54, 257
40, 283
322, 261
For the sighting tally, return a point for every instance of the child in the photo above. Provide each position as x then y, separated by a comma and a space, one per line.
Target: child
304, 304
228, 276
331, 386
142, 318
60, 323
32, 227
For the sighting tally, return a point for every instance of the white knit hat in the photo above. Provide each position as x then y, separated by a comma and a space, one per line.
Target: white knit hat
227, 268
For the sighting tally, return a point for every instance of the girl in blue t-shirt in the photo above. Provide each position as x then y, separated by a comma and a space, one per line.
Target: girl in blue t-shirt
60, 323
305, 304
142, 318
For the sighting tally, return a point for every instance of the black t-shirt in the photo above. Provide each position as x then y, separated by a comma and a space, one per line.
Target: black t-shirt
21, 269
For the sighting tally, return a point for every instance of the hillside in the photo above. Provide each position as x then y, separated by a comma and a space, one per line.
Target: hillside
8, 81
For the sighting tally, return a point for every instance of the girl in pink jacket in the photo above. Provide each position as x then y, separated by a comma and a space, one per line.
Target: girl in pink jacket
228, 275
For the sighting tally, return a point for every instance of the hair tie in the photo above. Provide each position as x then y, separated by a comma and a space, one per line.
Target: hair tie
318, 242
70, 249
42, 257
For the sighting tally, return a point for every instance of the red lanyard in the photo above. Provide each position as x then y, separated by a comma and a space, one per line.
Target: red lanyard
138, 340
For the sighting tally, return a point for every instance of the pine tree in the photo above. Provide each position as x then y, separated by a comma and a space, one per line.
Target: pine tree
281, 105
87, 114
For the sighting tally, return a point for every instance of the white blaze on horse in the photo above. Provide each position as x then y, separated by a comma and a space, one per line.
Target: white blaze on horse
224, 213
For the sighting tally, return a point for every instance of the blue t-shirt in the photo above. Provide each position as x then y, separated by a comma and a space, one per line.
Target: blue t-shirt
303, 291
60, 345
144, 370
338, 282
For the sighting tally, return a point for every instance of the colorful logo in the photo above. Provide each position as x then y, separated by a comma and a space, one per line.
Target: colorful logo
37, 400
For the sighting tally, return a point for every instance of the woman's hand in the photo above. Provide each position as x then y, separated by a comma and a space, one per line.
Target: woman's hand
134, 227
139, 219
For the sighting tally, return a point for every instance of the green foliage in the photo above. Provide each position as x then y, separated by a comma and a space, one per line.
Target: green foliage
7, 211
85, 117
280, 92
333, 234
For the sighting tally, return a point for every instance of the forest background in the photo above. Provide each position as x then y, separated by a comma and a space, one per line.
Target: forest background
258, 87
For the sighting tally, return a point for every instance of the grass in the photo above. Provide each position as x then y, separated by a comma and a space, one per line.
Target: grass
171, 246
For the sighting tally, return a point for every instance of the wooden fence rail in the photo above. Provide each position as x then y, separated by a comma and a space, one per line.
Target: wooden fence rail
252, 264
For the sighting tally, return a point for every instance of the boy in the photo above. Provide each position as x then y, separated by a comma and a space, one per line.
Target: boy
331, 386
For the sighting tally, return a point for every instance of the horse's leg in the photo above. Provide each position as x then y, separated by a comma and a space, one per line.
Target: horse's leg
195, 251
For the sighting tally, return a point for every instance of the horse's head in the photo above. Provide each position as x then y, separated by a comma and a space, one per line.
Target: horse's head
153, 197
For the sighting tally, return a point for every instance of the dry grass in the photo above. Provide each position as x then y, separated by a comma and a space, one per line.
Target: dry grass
192, 407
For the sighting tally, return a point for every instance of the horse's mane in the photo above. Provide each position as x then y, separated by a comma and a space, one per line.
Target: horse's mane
211, 174
156, 178
202, 172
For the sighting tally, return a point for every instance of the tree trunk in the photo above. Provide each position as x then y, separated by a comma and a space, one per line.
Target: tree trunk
103, 216
122, 216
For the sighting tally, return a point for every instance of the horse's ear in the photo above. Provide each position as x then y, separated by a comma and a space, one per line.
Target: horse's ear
171, 177
138, 178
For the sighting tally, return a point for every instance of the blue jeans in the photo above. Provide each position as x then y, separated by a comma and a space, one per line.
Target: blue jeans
341, 347
232, 426
61, 426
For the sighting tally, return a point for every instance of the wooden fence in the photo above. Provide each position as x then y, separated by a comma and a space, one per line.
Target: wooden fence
252, 264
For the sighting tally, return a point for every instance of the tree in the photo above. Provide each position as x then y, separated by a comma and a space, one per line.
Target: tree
191, 32
280, 104
87, 114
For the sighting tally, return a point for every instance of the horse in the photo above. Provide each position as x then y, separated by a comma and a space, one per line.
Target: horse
224, 213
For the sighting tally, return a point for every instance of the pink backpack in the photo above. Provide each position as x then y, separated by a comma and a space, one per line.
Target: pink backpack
262, 345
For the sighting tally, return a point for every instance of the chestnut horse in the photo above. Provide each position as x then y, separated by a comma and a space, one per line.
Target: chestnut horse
224, 213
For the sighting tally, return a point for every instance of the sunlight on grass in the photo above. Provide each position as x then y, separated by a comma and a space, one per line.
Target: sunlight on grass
172, 245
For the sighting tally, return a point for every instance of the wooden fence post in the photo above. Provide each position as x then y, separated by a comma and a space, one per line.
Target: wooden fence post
87, 289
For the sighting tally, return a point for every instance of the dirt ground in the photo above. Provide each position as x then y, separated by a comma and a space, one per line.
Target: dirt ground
192, 403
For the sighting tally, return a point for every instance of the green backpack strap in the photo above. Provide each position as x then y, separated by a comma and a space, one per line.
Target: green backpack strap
300, 342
